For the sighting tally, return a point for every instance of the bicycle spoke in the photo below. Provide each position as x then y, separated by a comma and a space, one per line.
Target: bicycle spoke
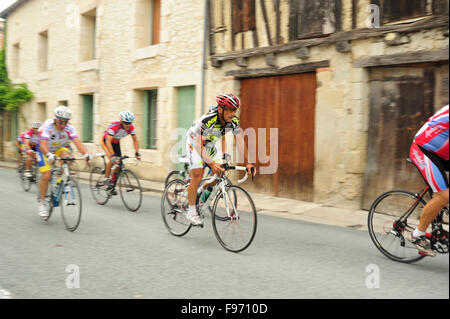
70, 203
174, 203
130, 190
234, 219
392, 216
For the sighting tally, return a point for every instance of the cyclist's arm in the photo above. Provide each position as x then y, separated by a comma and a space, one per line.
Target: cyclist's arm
136, 143
224, 145
108, 144
80, 146
43, 147
198, 145
27, 144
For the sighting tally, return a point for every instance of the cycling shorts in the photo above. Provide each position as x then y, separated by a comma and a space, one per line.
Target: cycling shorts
195, 160
42, 159
431, 166
115, 146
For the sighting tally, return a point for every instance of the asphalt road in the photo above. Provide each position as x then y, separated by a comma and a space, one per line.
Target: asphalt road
118, 254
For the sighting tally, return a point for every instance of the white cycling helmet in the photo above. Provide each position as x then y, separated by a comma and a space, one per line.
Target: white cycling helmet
62, 112
126, 116
36, 125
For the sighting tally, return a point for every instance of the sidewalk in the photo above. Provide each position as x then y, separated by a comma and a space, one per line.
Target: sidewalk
276, 206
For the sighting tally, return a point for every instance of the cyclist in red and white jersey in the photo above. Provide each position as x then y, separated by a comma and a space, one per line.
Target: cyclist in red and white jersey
430, 153
111, 140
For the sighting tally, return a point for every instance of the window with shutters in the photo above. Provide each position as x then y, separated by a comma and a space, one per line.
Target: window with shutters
314, 18
88, 118
398, 10
150, 119
243, 16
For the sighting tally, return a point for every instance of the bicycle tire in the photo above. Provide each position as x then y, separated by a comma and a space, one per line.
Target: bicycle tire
221, 221
176, 174
123, 190
67, 199
97, 186
388, 229
173, 206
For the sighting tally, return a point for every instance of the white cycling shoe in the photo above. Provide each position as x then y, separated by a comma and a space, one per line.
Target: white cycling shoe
43, 210
194, 218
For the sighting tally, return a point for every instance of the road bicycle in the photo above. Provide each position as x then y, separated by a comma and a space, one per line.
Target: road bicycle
26, 182
124, 179
65, 193
396, 212
233, 212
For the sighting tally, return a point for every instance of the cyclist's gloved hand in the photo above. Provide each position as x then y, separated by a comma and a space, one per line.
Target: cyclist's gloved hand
138, 156
226, 157
88, 157
51, 158
216, 168
114, 159
251, 170
30, 152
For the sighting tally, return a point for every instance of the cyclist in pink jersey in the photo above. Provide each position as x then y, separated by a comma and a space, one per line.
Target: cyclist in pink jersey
111, 140
430, 153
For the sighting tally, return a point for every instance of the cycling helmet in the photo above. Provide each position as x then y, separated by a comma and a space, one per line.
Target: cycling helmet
63, 113
126, 116
228, 100
36, 125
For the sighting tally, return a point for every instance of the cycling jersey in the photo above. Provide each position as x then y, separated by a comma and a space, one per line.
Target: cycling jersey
429, 150
116, 130
210, 127
21, 138
34, 138
433, 135
55, 138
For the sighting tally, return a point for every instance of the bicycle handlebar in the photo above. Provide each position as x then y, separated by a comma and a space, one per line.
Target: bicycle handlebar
237, 168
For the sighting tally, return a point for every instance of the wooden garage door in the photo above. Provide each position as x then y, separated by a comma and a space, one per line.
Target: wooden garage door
287, 103
401, 101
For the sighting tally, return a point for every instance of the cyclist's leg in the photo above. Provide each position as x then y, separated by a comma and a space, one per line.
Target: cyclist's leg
434, 175
196, 173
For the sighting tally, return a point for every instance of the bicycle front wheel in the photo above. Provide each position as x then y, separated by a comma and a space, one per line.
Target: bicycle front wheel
71, 206
174, 204
98, 187
234, 218
130, 190
391, 216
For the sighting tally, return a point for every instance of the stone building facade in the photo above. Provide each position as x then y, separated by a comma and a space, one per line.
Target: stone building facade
333, 76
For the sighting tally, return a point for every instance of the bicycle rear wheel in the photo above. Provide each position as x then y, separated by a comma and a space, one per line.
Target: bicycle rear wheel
130, 190
234, 218
71, 205
388, 230
98, 187
174, 175
174, 204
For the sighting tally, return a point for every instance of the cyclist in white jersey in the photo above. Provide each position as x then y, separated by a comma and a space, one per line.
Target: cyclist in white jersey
55, 136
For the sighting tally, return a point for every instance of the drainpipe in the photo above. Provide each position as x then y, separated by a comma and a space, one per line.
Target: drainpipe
204, 63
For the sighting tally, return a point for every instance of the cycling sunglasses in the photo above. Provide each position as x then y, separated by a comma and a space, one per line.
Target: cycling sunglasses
61, 122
